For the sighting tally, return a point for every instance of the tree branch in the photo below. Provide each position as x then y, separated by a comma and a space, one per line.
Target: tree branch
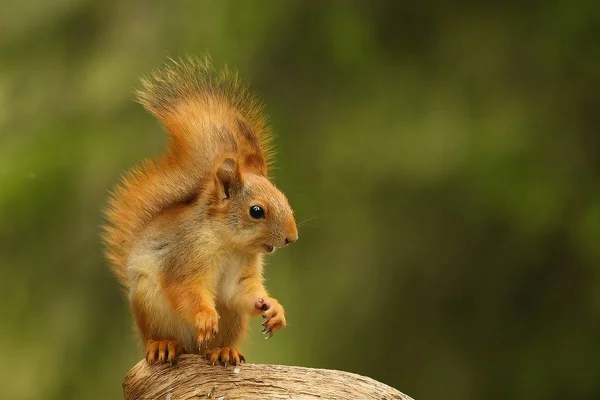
192, 378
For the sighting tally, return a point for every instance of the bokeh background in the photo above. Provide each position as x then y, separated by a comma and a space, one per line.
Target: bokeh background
443, 157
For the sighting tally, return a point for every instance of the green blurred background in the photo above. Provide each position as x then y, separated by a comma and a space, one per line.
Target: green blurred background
443, 155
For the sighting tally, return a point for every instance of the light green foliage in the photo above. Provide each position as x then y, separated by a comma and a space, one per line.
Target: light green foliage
442, 158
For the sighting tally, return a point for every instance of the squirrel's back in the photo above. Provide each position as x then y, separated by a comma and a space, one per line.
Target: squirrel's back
208, 115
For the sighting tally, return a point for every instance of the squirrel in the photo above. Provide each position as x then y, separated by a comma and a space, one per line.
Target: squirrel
186, 233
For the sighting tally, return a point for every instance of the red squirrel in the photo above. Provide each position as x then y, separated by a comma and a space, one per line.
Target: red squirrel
186, 233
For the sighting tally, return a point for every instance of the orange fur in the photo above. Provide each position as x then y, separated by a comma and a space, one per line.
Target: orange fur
180, 236
206, 115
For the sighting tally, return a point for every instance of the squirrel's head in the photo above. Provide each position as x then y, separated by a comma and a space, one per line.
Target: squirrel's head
253, 214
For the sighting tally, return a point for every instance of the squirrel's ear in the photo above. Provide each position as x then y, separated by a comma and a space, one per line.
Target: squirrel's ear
229, 178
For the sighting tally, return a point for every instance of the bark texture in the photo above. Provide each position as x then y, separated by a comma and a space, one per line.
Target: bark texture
193, 378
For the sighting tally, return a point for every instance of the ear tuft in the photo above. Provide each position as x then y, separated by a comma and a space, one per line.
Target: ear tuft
229, 178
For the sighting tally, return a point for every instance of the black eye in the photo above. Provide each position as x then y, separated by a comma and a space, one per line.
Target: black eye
257, 212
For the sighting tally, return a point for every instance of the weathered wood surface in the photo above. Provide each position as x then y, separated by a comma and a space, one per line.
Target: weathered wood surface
193, 378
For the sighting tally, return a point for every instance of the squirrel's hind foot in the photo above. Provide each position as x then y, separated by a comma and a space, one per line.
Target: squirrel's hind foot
224, 356
162, 351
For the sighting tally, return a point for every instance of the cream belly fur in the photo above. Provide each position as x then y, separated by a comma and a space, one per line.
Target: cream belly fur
166, 323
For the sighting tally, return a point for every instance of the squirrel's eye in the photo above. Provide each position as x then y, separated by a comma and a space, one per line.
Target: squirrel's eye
257, 212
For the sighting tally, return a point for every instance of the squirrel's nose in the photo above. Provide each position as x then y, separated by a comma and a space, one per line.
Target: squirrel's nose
289, 240
292, 233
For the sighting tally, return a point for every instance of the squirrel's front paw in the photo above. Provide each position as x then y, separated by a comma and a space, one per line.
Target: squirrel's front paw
207, 325
273, 315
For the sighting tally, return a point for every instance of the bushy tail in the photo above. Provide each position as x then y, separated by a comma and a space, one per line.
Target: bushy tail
205, 114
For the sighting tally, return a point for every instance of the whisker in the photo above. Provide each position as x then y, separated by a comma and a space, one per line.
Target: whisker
307, 220
313, 227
